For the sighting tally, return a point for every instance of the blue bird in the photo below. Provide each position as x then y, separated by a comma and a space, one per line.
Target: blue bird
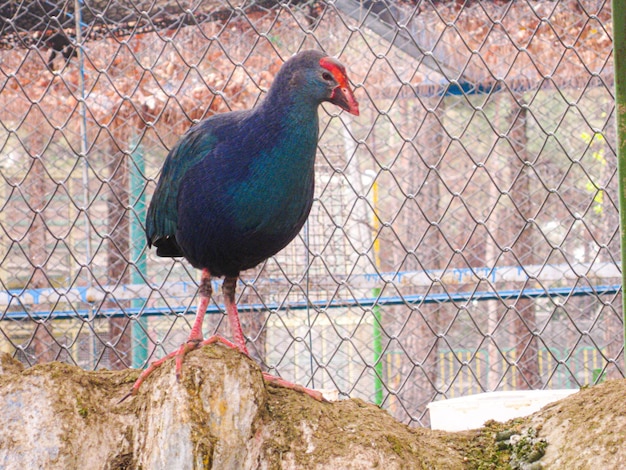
238, 187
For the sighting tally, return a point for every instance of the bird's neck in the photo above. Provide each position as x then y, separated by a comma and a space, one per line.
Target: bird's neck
290, 135
296, 123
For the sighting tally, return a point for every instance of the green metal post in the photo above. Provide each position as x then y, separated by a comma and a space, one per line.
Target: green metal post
378, 348
619, 61
138, 254
377, 343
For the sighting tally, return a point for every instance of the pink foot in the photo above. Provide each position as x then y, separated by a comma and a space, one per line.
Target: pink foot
179, 354
298, 388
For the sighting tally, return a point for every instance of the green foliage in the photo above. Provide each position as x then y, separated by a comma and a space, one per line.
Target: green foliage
599, 376
595, 143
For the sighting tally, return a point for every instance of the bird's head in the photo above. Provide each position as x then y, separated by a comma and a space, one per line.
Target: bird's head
318, 77
335, 76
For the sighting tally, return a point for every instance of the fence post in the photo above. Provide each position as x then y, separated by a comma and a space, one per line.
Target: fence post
619, 61
138, 253
377, 333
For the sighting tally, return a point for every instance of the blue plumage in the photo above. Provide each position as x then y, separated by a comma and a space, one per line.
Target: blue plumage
238, 187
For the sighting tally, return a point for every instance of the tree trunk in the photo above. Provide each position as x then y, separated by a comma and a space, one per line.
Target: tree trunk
43, 344
524, 314
118, 253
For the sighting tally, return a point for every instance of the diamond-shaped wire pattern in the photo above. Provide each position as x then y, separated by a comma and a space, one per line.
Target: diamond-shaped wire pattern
464, 235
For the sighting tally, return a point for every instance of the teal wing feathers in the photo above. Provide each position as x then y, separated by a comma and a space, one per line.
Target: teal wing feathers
162, 216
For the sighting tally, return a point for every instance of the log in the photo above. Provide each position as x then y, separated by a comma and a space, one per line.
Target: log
222, 415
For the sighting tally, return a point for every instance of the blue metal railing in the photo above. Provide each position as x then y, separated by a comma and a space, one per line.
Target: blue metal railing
364, 302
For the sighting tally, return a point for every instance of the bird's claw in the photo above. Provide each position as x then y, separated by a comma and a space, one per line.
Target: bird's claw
179, 354
195, 343
129, 394
315, 394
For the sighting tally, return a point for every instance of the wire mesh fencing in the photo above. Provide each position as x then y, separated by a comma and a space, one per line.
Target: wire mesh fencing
464, 236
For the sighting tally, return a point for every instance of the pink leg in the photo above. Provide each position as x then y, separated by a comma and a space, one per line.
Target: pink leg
228, 287
194, 340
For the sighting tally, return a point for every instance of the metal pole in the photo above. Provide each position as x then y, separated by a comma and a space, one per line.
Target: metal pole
309, 333
377, 343
84, 148
619, 60
139, 327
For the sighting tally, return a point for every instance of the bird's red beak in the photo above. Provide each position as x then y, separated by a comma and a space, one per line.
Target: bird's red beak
342, 95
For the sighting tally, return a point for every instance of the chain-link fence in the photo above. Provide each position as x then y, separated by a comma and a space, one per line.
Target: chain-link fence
464, 235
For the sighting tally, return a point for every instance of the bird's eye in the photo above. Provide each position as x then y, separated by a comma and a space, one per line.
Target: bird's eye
326, 76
